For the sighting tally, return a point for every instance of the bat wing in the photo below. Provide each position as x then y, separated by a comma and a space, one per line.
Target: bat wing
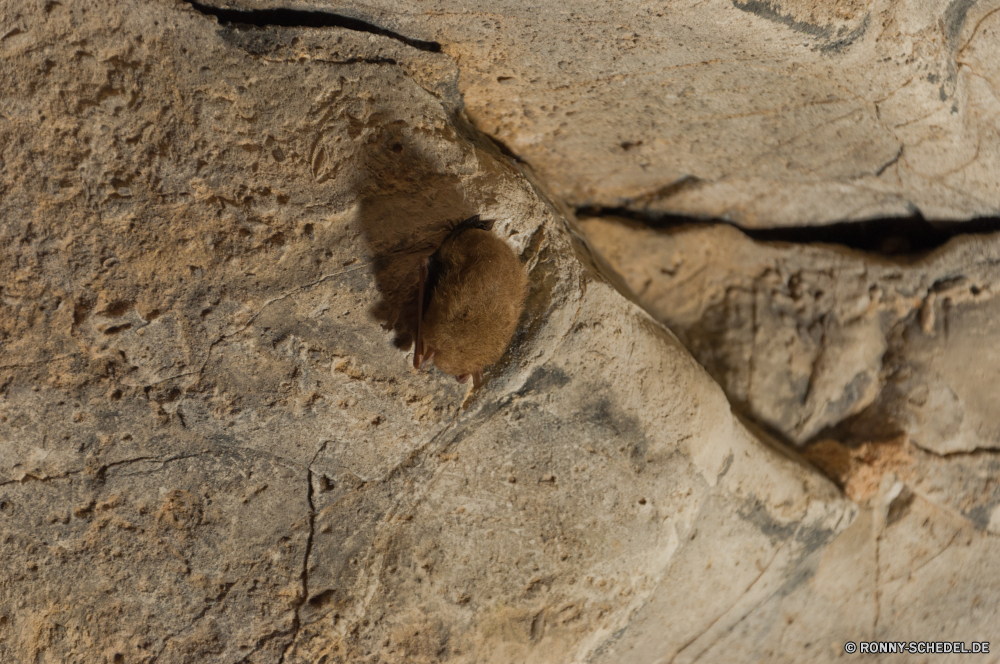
430, 274
423, 300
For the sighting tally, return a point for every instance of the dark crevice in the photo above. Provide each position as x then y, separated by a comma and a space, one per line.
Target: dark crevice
304, 597
354, 61
504, 148
309, 541
767, 432
296, 619
297, 18
890, 236
889, 163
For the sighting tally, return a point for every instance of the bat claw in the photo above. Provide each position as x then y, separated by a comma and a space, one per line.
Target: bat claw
418, 345
477, 378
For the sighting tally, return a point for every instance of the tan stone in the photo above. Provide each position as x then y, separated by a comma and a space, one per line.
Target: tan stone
214, 448
765, 113
804, 337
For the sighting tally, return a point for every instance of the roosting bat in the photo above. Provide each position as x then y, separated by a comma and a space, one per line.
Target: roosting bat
472, 292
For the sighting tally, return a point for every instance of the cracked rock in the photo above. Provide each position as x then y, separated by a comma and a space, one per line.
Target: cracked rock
214, 447
806, 337
768, 114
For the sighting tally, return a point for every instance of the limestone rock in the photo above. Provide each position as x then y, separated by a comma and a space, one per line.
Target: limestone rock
765, 113
805, 337
885, 365
214, 448
212, 445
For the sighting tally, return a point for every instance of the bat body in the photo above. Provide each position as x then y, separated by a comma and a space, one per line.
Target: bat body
472, 292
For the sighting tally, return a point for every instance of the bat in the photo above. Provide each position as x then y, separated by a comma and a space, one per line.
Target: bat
471, 296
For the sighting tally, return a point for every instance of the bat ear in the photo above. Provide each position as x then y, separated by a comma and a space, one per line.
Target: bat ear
472, 222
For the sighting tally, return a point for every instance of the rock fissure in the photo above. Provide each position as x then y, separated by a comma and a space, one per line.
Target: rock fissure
348, 61
891, 237
938, 553
438, 524
162, 462
894, 160
102, 470
304, 594
736, 602
298, 18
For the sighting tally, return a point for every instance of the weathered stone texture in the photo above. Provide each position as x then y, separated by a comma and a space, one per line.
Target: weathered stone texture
850, 353
766, 113
213, 446
804, 337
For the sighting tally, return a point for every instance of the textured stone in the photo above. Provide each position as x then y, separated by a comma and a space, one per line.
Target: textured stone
766, 113
765, 318
804, 337
212, 444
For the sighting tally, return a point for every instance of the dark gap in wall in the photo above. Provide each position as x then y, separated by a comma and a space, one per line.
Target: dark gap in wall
890, 236
297, 18
504, 149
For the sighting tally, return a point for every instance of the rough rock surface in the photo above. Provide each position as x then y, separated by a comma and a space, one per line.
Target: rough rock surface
898, 356
885, 365
804, 337
762, 112
213, 448
212, 445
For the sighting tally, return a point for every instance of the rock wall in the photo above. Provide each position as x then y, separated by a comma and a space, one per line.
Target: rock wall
213, 446
806, 337
765, 113
881, 369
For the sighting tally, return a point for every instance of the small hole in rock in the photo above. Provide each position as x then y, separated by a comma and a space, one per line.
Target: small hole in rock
117, 328
117, 308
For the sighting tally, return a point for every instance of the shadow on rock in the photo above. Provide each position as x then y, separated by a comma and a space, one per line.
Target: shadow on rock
406, 212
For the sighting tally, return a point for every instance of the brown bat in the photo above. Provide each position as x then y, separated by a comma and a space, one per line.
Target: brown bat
472, 292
